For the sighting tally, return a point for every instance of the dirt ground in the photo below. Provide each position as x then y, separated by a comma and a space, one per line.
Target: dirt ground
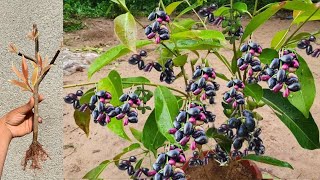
82, 153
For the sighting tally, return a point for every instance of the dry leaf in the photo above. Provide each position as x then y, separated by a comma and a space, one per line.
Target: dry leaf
34, 76
30, 36
34, 64
25, 69
20, 84
45, 69
13, 48
46, 61
17, 72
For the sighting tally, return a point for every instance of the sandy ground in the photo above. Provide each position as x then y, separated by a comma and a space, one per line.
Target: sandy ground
82, 153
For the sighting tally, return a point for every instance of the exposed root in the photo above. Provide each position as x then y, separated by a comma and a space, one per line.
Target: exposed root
36, 154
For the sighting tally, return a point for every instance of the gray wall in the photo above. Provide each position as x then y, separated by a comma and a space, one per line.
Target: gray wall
16, 21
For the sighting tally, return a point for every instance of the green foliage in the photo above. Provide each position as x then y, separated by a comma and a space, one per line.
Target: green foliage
268, 160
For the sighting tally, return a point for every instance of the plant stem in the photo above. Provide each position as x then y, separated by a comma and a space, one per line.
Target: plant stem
299, 27
255, 7
202, 22
133, 83
175, 54
27, 57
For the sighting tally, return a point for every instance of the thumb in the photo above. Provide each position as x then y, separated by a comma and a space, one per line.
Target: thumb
28, 106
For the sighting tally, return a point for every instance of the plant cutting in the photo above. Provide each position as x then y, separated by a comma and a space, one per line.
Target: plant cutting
35, 154
183, 120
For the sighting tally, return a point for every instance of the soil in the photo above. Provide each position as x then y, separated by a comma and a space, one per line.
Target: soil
212, 171
82, 153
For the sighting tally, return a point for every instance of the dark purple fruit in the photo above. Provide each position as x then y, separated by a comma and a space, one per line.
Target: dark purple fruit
164, 36
156, 166
281, 75
202, 82
133, 61
176, 124
197, 73
173, 153
197, 134
247, 113
193, 87
157, 66
294, 87
155, 26
211, 93
256, 68
143, 53
178, 176
133, 119
309, 50
244, 48
240, 62
234, 122
132, 159
275, 63
257, 132
79, 93
242, 131
237, 143
130, 170
291, 80
112, 113
133, 96
152, 16
95, 114
211, 100
148, 30
194, 111
68, 100
272, 82
269, 71
250, 124
101, 93
201, 140
167, 170
123, 166
158, 176
76, 104
286, 58
312, 38
230, 84
247, 58
178, 135
161, 14
141, 65
182, 116
188, 128
301, 45
160, 160
163, 31
125, 108
168, 64
123, 97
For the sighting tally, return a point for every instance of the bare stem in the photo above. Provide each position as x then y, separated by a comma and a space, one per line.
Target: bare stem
36, 89
27, 57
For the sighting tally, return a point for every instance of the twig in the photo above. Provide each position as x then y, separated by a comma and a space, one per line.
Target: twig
27, 57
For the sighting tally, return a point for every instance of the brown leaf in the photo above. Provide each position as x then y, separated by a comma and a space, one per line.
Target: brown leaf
17, 72
25, 69
13, 48
20, 84
34, 76
45, 69
46, 61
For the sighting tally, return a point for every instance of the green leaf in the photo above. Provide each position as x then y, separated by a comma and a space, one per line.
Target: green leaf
112, 83
305, 15
253, 90
112, 54
278, 39
180, 60
132, 147
234, 66
221, 11
304, 98
136, 134
171, 7
267, 160
85, 98
304, 129
190, 44
166, 108
95, 172
199, 34
267, 55
183, 25
221, 139
133, 81
82, 120
240, 6
126, 30
261, 18
122, 4
138, 164
193, 6
152, 138
222, 76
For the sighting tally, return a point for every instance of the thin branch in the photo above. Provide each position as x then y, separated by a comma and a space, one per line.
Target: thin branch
27, 57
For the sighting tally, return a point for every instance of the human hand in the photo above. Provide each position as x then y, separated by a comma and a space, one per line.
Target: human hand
20, 120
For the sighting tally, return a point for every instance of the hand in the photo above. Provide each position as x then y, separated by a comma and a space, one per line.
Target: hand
20, 120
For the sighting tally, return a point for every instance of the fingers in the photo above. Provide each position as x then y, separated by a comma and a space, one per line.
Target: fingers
29, 106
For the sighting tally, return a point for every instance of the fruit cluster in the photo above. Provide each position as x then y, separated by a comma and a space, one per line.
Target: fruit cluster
234, 96
250, 61
158, 26
166, 165
306, 44
136, 59
280, 73
232, 26
243, 129
203, 84
127, 165
207, 12
196, 160
188, 124
168, 75
73, 98
220, 155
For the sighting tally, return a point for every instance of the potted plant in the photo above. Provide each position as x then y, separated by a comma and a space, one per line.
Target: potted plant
182, 120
